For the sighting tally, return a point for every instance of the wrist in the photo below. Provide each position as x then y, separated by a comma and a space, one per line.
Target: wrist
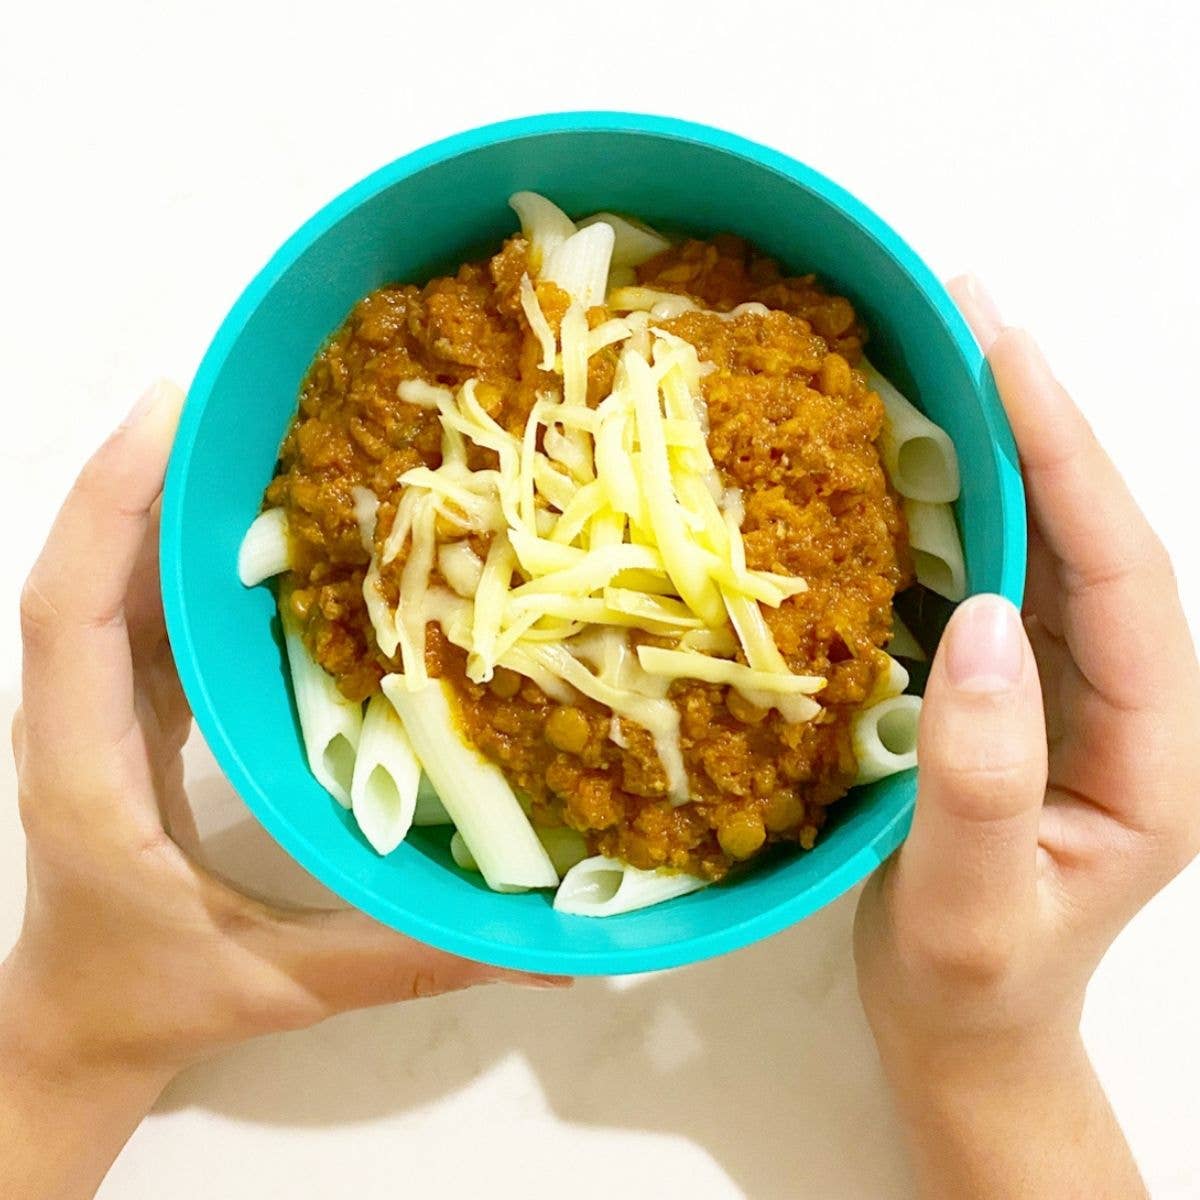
67, 1103
47, 1041
1022, 1114
953, 1071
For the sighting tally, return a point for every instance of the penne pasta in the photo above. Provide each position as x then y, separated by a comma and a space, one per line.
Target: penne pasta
918, 455
329, 723
383, 789
621, 277
463, 858
264, 551
891, 682
475, 793
565, 847
605, 887
579, 265
884, 738
542, 222
903, 644
936, 551
633, 242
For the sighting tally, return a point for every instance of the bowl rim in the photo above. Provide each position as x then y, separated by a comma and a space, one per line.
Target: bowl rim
463, 941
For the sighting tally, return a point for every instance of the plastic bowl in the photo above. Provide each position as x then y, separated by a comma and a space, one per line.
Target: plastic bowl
422, 215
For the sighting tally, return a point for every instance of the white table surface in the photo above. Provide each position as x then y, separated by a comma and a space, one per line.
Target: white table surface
156, 154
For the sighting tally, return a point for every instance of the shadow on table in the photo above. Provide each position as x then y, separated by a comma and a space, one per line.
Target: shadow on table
762, 1058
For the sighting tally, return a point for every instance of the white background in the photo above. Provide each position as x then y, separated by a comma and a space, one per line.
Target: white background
157, 153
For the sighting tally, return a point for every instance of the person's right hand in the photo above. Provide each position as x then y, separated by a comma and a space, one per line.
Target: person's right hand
134, 960
1059, 789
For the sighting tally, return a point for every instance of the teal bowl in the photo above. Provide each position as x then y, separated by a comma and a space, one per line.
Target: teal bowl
423, 215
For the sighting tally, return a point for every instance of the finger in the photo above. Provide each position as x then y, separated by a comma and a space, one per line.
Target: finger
158, 679
143, 596
1043, 592
178, 819
77, 679
969, 866
17, 735
346, 960
978, 308
1054, 666
1113, 570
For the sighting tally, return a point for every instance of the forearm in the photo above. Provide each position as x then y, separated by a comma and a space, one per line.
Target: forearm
995, 1125
63, 1119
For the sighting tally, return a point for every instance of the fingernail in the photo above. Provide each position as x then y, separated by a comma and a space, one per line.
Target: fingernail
984, 645
986, 320
149, 400
1033, 355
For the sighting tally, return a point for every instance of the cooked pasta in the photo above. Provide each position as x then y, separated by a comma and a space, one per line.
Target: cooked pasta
903, 644
475, 793
885, 738
565, 847
633, 242
918, 454
890, 682
937, 552
579, 265
329, 723
543, 223
387, 775
264, 551
606, 887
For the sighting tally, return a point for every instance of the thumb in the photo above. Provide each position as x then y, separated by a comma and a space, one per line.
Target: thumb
346, 960
971, 857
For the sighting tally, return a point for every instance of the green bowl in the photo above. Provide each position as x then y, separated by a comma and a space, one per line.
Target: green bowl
422, 215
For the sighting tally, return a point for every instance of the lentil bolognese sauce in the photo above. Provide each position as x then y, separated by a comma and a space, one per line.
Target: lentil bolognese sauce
792, 428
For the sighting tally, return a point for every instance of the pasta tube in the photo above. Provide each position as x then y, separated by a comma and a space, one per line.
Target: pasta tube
891, 682
474, 791
606, 887
579, 265
542, 222
884, 738
918, 455
937, 552
565, 847
329, 723
383, 789
634, 243
903, 644
264, 550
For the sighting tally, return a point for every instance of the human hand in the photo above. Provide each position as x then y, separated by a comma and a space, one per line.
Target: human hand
133, 960
1059, 789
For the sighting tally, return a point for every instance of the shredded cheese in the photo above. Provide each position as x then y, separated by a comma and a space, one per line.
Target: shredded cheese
687, 664
366, 509
489, 606
538, 323
461, 568
422, 394
602, 518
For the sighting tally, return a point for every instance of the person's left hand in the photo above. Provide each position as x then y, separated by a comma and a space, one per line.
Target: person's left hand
132, 954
